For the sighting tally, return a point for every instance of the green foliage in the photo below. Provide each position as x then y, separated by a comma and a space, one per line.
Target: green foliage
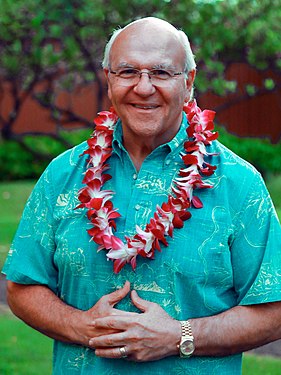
62, 41
29, 159
18, 163
265, 156
66, 36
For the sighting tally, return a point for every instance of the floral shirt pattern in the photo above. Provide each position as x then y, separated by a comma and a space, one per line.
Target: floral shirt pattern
227, 254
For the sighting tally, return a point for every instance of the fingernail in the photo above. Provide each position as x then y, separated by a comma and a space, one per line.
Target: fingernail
91, 342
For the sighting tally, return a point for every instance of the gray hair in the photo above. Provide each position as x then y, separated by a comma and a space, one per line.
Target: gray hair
189, 57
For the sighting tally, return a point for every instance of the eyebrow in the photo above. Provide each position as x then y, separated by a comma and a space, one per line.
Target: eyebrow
156, 66
125, 65
164, 66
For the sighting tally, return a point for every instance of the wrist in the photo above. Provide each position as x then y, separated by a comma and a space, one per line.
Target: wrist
76, 327
186, 346
177, 331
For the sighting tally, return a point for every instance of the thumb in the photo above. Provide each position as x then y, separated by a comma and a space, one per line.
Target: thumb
119, 294
140, 303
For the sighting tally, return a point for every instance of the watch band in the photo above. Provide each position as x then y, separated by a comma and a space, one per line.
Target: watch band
186, 328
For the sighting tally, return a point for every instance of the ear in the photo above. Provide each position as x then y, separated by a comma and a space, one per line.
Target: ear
106, 72
189, 83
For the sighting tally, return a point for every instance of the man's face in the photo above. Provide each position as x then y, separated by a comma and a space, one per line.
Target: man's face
149, 112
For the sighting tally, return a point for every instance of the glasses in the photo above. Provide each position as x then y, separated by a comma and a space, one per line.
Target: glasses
132, 76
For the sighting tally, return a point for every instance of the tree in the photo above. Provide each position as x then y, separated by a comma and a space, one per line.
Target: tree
57, 44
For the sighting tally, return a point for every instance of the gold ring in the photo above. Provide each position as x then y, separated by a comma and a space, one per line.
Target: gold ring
123, 352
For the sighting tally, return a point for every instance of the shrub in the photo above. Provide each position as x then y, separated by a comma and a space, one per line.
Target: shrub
17, 163
266, 157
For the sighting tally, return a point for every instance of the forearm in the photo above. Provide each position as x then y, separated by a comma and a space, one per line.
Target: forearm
236, 330
40, 308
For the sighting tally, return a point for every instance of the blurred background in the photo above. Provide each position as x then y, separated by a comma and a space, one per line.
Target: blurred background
52, 85
51, 82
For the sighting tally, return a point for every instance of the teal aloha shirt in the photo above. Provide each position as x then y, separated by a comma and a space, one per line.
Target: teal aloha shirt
227, 254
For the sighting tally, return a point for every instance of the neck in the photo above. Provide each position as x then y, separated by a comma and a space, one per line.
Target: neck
140, 147
138, 153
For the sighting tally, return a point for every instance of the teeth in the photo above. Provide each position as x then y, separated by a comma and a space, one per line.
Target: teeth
144, 107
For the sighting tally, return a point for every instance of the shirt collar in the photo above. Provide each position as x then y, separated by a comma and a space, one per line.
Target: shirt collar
171, 147
117, 142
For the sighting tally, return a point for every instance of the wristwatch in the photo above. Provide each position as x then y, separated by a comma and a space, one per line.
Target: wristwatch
186, 345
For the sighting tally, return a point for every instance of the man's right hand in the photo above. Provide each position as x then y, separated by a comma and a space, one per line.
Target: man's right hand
40, 308
104, 307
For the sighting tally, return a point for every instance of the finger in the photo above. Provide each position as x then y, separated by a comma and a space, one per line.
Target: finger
115, 312
118, 295
115, 322
140, 303
109, 353
108, 341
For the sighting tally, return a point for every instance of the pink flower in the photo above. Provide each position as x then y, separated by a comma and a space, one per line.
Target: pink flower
106, 120
98, 155
122, 255
200, 123
179, 209
201, 120
102, 139
96, 173
143, 241
92, 196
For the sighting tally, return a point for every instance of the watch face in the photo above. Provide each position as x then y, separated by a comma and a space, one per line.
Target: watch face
187, 347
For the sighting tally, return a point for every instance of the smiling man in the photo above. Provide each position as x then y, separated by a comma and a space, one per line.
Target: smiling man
151, 114
177, 219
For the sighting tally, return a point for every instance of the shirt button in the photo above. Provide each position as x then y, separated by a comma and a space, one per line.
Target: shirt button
167, 162
137, 207
135, 176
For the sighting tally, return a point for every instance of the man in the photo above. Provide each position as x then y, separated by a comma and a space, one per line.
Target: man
209, 295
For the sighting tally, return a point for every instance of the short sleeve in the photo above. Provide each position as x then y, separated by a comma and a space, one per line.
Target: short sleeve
256, 248
30, 259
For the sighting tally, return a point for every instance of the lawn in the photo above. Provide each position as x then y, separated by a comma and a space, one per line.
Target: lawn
274, 186
13, 196
27, 352
24, 351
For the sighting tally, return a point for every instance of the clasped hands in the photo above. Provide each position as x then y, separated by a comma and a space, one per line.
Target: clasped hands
146, 336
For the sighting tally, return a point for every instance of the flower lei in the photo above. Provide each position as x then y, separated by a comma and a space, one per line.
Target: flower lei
170, 215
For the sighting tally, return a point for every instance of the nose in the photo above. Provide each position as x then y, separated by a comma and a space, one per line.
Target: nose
144, 87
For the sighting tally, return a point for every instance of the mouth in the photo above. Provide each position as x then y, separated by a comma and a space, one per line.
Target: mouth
145, 106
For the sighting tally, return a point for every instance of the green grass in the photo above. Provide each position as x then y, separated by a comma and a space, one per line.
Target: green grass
24, 351
274, 186
261, 365
13, 196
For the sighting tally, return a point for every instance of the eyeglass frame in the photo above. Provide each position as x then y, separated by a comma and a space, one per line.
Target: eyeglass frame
149, 72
